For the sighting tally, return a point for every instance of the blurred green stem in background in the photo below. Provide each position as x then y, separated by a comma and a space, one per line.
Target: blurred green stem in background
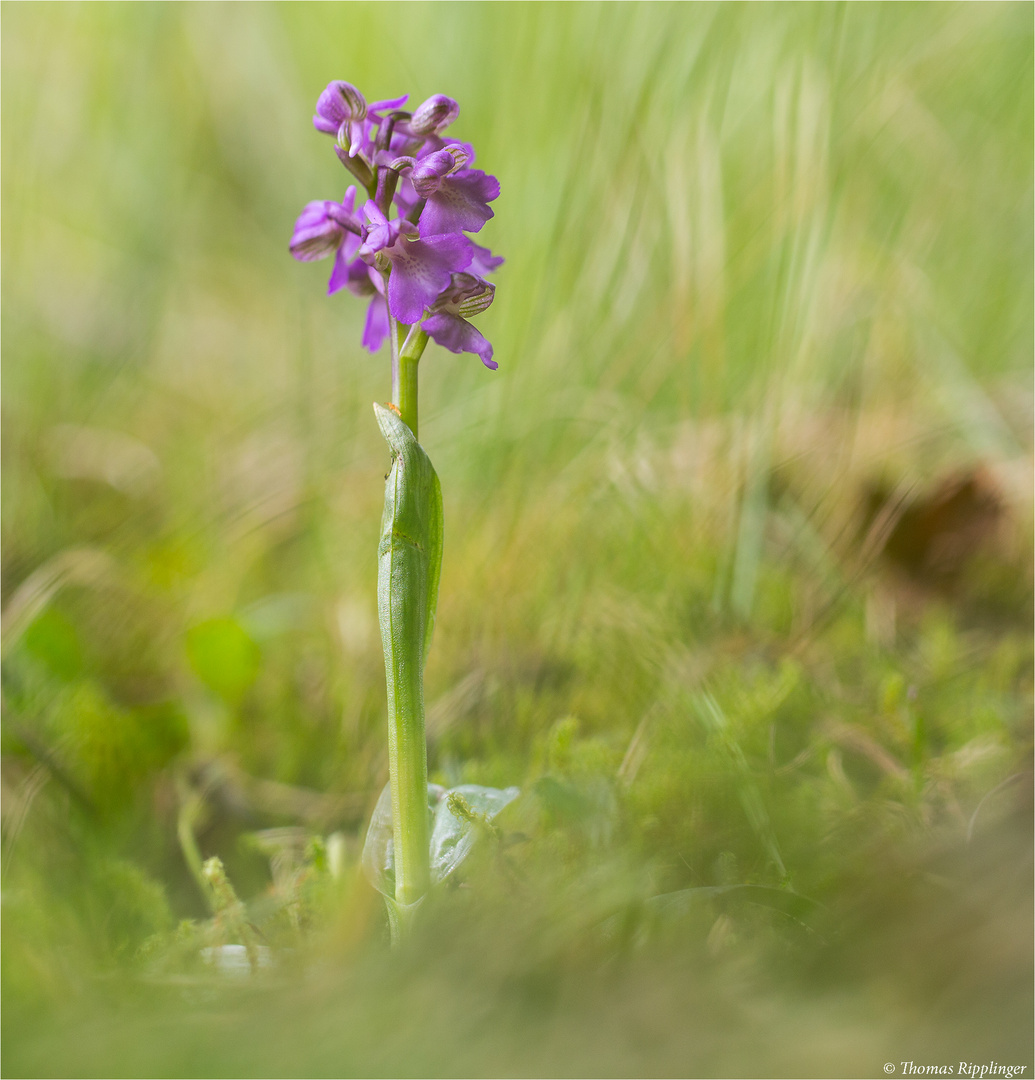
192, 806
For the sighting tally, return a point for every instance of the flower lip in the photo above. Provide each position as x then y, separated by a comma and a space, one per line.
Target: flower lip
459, 202
452, 331
420, 268
377, 326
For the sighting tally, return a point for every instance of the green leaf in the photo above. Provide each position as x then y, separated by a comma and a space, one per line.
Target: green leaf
413, 511
461, 816
409, 558
52, 638
457, 817
224, 656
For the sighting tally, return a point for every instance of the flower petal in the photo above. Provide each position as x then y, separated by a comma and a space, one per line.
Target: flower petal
460, 203
421, 269
316, 234
458, 335
363, 279
339, 272
378, 108
377, 326
484, 262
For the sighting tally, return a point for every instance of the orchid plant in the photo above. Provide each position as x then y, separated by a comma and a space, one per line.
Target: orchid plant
406, 249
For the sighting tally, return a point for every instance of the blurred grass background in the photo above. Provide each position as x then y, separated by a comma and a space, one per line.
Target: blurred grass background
737, 579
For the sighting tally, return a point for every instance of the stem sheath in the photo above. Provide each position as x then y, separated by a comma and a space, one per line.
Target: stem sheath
409, 560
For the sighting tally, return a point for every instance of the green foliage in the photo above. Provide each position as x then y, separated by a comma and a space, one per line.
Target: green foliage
53, 640
224, 657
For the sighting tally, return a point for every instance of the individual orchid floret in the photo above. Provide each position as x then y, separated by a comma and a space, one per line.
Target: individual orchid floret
340, 111
420, 267
457, 199
434, 115
447, 324
324, 228
430, 171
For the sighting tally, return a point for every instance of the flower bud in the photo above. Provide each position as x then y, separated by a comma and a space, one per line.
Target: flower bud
340, 110
433, 115
341, 101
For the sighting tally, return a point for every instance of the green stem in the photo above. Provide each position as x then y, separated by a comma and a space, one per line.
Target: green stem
191, 806
409, 358
408, 766
395, 344
409, 558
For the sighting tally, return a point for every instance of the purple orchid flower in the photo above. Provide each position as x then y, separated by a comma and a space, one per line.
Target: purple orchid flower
419, 262
447, 324
421, 268
457, 197
340, 111
328, 227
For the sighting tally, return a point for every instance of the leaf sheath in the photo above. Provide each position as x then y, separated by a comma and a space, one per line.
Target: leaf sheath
409, 562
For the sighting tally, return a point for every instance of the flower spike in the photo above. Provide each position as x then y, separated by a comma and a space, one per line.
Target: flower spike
408, 251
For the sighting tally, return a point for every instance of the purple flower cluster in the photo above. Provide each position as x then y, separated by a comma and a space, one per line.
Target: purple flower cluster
417, 266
